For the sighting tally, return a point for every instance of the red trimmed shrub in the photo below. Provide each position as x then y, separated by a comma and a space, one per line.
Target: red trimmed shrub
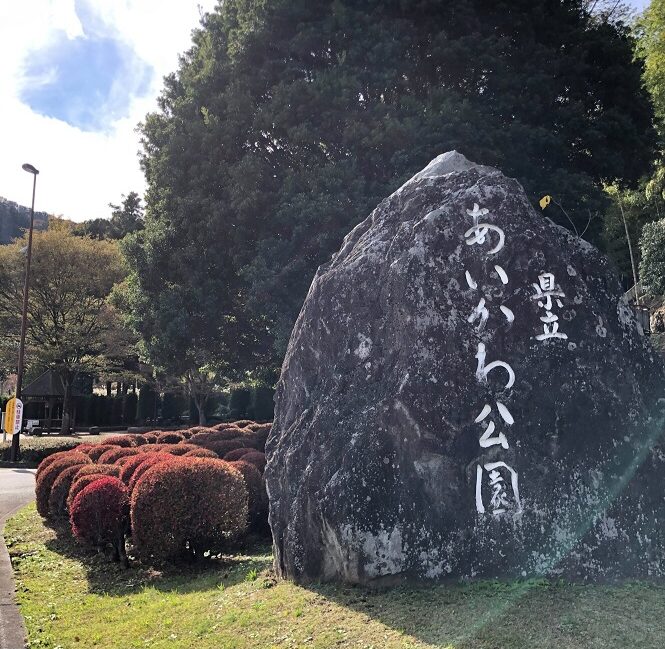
139, 440
152, 448
188, 506
186, 433
202, 452
179, 449
95, 452
132, 464
100, 469
50, 474
241, 423
237, 453
170, 438
57, 500
47, 461
100, 514
224, 446
256, 458
83, 479
258, 496
110, 456
150, 437
257, 427
151, 460
121, 460
197, 429
124, 441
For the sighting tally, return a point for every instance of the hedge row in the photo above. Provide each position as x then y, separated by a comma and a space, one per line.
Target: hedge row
171, 495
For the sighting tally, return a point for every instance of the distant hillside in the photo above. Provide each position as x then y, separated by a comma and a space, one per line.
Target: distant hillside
15, 218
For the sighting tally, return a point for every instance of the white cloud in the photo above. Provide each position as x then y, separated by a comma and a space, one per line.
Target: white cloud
81, 172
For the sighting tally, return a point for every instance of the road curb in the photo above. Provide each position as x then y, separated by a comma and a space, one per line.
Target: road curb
12, 627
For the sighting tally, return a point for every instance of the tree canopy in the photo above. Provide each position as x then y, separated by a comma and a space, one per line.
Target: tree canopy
289, 120
71, 326
125, 219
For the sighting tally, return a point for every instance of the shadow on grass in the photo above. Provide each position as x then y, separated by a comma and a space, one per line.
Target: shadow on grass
240, 563
534, 614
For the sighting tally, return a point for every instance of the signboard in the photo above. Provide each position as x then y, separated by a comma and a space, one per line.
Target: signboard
13, 416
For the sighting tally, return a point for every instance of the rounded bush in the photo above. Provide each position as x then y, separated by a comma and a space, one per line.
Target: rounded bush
100, 514
179, 449
223, 426
139, 440
47, 461
124, 441
257, 427
49, 475
256, 458
129, 468
241, 423
150, 437
57, 501
121, 460
224, 446
152, 448
237, 453
170, 438
96, 452
197, 429
101, 469
186, 433
258, 496
151, 460
110, 456
188, 506
84, 478
202, 452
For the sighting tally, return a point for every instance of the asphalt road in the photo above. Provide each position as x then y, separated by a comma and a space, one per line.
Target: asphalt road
17, 488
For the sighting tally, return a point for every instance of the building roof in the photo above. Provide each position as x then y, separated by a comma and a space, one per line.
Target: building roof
49, 384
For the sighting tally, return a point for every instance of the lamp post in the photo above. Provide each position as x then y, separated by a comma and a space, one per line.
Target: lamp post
24, 316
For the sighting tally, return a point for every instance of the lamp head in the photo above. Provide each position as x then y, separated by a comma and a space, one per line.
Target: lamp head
30, 169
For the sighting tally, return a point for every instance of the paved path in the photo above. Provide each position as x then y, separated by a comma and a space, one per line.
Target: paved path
17, 488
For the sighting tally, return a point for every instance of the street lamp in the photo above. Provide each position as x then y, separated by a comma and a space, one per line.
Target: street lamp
24, 317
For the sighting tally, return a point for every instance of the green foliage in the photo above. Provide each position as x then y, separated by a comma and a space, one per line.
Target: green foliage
263, 405
147, 406
34, 450
240, 402
650, 31
174, 405
71, 326
125, 219
288, 121
652, 266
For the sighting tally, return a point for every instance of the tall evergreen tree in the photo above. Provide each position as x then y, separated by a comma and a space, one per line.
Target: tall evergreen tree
289, 120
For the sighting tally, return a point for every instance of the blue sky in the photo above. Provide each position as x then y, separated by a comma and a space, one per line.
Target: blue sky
83, 81
77, 76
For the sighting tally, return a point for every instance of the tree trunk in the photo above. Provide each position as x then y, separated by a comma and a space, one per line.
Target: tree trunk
66, 406
201, 406
109, 388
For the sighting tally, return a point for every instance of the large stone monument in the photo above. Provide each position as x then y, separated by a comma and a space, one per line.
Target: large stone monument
465, 394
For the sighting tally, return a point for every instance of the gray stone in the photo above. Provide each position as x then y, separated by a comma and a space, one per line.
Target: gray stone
382, 461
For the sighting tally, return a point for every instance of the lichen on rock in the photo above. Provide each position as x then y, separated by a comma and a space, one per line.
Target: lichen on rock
466, 394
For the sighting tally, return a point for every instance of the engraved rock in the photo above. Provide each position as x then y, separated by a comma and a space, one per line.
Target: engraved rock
466, 394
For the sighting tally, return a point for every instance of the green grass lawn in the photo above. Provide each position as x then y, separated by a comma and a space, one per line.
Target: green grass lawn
72, 597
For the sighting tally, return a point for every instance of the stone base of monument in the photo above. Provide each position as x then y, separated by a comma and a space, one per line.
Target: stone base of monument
466, 394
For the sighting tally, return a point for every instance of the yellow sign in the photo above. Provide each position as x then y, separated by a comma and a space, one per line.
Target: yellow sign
13, 416
545, 201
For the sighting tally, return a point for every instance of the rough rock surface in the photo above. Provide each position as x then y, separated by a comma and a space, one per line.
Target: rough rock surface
465, 394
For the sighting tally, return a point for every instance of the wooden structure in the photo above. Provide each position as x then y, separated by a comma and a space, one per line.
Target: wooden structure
44, 399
